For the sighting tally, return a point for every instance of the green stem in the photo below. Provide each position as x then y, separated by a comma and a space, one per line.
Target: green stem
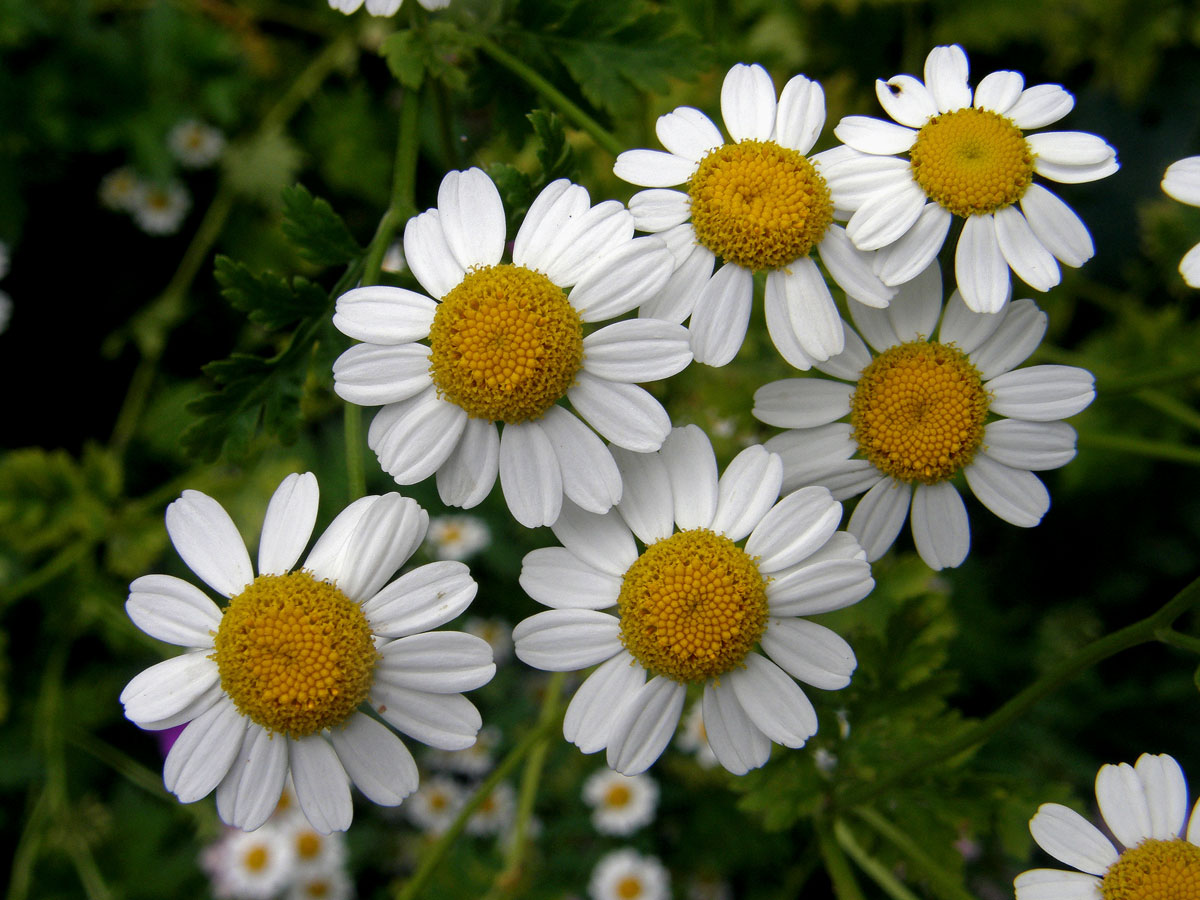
1173, 638
845, 887
61, 562
1160, 378
556, 97
943, 883
1140, 632
1171, 407
1140, 447
876, 870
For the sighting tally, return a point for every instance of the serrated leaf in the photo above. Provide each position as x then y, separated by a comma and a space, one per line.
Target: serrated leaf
554, 153
318, 232
403, 52
268, 299
433, 52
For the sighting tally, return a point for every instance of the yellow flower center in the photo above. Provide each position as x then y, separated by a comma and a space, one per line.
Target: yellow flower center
255, 859
294, 654
506, 344
759, 205
972, 161
308, 845
318, 887
918, 411
692, 606
617, 795
629, 887
1154, 870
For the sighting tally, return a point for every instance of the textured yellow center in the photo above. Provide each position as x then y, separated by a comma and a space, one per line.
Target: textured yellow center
1154, 870
758, 204
692, 606
294, 654
972, 161
617, 795
255, 859
438, 801
918, 411
629, 887
506, 344
308, 845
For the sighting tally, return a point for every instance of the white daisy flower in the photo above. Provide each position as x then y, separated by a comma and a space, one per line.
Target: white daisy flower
693, 738
1144, 807
725, 569
496, 813
756, 203
966, 154
197, 145
382, 7
332, 885
313, 853
457, 537
627, 875
621, 804
1182, 182
903, 420
506, 343
435, 804
272, 682
249, 865
159, 209
119, 189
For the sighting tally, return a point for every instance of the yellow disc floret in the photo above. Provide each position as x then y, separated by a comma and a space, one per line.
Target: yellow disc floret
759, 205
617, 796
972, 161
918, 411
295, 654
1154, 870
692, 606
506, 344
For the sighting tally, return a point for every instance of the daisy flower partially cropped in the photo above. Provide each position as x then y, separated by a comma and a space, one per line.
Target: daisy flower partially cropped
953, 152
271, 683
457, 537
724, 569
1182, 182
334, 884
435, 804
505, 343
627, 875
197, 145
496, 813
1144, 806
906, 416
249, 865
621, 804
159, 209
757, 204
119, 189
382, 7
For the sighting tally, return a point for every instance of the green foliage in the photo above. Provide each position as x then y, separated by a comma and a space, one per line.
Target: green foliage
262, 167
556, 159
267, 299
435, 52
319, 234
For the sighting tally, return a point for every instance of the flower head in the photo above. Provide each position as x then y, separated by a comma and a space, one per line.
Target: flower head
725, 569
970, 155
382, 7
627, 875
249, 865
271, 683
621, 804
906, 416
505, 344
757, 203
435, 804
1182, 182
457, 537
1144, 806
159, 209
197, 145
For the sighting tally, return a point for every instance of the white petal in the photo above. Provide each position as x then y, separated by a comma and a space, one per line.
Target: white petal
472, 218
428, 596
885, 217
1073, 174
203, 752
736, 743
169, 686
625, 414
813, 314
414, 437
721, 315
529, 475
288, 523
853, 269
867, 134
375, 759
603, 542
810, 652
1057, 227
915, 309
429, 257
589, 473
584, 241
847, 365
1029, 445
385, 315
653, 168
380, 541
644, 725
1039, 106
800, 115
1166, 794
946, 77
469, 472
658, 209
688, 133
773, 701
1042, 393
1056, 884
556, 577
1022, 326
748, 488
1033, 263
1015, 495
817, 587
875, 326
1189, 267
964, 327
1123, 804
677, 298
906, 100
563, 640
779, 325
879, 516
322, 787
802, 402
796, 527
599, 700
979, 266
646, 502
940, 527
441, 662
692, 468
172, 610
623, 279
1070, 148
812, 455
553, 209
637, 350
445, 721
378, 374
748, 103
855, 177
207, 540
249, 793
1072, 839
1181, 181
998, 91
903, 259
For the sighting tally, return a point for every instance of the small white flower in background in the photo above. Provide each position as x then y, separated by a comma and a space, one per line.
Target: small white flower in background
1144, 807
1182, 182
475, 761
197, 145
496, 632
709, 887
457, 537
627, 875
382, 7
119, 189
825, 761
621, 804
254, 684
953, 152
495, 814
435, 804
906, 416
393, 259
313, 853
159, 209
332, 885
248, 865
694, 739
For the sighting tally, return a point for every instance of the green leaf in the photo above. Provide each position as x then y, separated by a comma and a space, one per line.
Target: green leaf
554, 153
434, 51
403, 52
267, 299
318, 232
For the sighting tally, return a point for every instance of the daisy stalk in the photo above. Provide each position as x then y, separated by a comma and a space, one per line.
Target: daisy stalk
872, 867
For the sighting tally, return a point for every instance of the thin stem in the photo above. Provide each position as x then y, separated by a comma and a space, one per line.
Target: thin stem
565, 105
1173, 638
845, 887
1171, 407
1160, 378
943, 883
877, 871
1136, 446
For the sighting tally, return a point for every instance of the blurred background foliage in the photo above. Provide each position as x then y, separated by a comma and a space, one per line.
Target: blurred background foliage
111, 411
